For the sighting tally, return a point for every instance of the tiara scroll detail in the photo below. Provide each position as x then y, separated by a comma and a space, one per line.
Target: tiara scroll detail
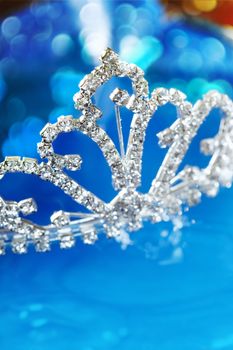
170, 190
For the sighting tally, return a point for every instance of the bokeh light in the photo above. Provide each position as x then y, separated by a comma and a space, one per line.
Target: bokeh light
205, 6
10, 27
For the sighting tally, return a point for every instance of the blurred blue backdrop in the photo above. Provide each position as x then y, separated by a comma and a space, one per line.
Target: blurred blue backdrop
168, 291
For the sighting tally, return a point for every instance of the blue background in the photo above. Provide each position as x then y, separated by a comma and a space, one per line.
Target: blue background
168, 290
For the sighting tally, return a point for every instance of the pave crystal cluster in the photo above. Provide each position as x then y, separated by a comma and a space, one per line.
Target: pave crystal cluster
170, 191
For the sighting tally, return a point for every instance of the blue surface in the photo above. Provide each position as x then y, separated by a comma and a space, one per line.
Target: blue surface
167, 291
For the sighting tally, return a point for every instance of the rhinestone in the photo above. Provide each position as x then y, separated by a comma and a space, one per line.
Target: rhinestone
45, 172
176, 96
109, 56
90, 82
194, 197
210, 188
43, 244
27, 206
30, 165
120, 97
141, 87
37, 234
12, 208
65, 123
81, 101
72, 162
90, 237
135, 72
134, 103
92, 111
44, 149
60, 219
226, 177
160, 96
186, 109
166, 137
208, 146
19, 244
112, 231
67, 240
12, 163
48, 132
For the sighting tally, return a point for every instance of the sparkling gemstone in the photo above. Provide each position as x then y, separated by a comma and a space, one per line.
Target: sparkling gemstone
19, 244
42, 244
90, 237
72, 161
166, 137
193, 197
30, 165
120, 97
27, 206
208, 146
67, 239
65, 123
48, 132
81, 100
176, 96
44, 149
13, 163
185, 108
60, 219
109, 56
160, 96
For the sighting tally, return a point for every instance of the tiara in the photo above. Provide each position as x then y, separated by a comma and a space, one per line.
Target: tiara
171, 190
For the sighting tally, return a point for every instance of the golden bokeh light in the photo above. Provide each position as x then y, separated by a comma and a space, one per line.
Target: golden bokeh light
205, 5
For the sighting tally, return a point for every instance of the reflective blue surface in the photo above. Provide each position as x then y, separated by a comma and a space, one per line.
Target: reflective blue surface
105, 298
167, 291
